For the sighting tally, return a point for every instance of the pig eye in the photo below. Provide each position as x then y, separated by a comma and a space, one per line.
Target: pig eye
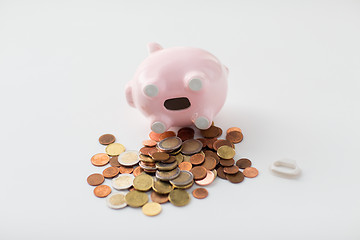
151, 90
195, 84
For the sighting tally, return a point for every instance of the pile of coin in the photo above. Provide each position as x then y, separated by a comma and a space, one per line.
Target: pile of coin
167, 165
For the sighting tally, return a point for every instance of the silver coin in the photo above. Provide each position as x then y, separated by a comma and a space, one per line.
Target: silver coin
123, 181
167, 175
129, 158
166, 166
170, 144
116, 201
184, 178
191, 146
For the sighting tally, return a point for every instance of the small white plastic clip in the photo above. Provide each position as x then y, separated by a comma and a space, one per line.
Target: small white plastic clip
285, 168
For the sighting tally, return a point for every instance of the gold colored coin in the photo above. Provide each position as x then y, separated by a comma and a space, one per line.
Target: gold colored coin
136, 198
114, 149
179, 197
151, 209
143, 182
185, 187
162, 187
179, 158
226, 152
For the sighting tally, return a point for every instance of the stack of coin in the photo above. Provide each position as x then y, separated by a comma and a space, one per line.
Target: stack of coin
166, 166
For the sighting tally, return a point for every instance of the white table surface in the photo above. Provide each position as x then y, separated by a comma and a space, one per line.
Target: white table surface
294, 89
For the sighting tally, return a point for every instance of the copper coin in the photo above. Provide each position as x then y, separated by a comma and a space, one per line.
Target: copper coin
185, 166
221, 142
209, 153
235, 178
227, 162
160, 156
211, 132
200, 193
197, 159
114, 161
186, 129
231, 170
234, 136
186, 133
171, 159
159, 198
209, 178
166, 135
102, 191
199, 172
155, 136
123, 169
220, 173
147, 150
106, 139
100, 159
209, 163
220, 133
110, 172
250, 172
149, 143
95, 179
210, 142
137, 171
236, 129
243, 163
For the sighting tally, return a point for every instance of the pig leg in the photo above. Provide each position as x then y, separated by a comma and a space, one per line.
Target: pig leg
160, 125
202, 120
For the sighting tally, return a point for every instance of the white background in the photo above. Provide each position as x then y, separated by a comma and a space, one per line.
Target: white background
293, 89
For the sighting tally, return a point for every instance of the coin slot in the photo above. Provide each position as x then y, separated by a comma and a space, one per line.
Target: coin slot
177, 103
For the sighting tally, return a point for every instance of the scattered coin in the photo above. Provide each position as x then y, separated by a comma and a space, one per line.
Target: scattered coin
179, 197
236, 129
227, 162
231, 170
235, 178
191, 146
200, 193
186, 133
197, 159
220, 173
95, 179
123, 181
209, 178
211, 132
234, 136
199, 172
166, 166
110, 172
159, 198
137, 171
167, 134
151, 209
136, 198
100, 159
221, 142
155, 136
170, 144
106, 139
149, 143
102, 191
167, 175
114, 161
184, 178
226, 152
160, 156
243, 163
123, 169
143, 182
250, 172
129, 158
116, 201
162, 187
186, 166
209, 163
114, 149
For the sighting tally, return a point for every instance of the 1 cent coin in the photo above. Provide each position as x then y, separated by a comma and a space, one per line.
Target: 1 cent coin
250, 172
102, 191
231, 170
100, 159
235, 178
186, 166
114, 162
106, 139
209, 163
197, 159
111, 172
95, 179
200, 193
199, 172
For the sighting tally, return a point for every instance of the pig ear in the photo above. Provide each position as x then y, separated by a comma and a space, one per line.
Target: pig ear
129, 96
153, 47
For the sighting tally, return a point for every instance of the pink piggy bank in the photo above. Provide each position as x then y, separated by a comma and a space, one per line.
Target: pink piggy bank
178, 86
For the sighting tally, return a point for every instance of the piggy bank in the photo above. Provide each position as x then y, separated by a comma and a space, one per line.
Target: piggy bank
178, 86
